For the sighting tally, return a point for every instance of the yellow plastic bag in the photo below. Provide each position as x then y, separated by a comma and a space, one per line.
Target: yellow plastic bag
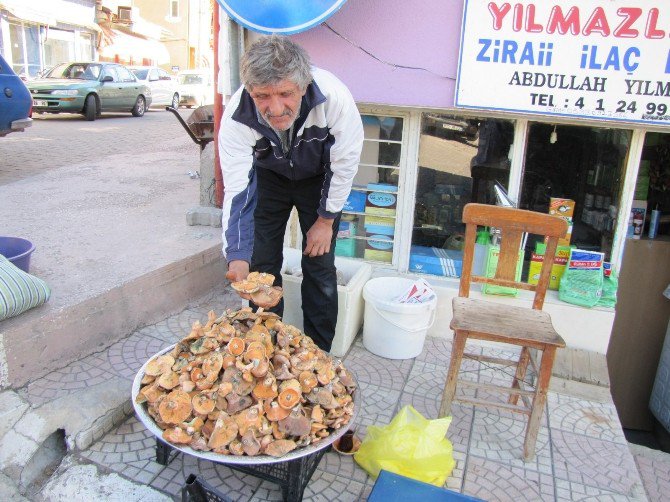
411, 446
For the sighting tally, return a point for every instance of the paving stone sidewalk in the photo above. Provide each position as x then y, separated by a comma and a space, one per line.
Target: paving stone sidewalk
581, 453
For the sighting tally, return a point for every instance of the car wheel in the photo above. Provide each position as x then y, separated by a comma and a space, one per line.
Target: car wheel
90, 108
175, 101
140, 107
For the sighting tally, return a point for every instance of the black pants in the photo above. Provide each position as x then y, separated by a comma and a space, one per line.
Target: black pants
276, 197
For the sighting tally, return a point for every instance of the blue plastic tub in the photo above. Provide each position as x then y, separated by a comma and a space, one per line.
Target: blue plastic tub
17, 251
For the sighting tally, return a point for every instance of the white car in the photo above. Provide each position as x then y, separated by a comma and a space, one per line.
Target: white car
196, 87
164, 88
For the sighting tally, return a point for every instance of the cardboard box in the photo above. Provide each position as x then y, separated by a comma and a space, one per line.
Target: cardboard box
638, 212
557, 268
561, 207
564, 208
378, 247
436, 261
347, 229
381, 201
350, 302
376, 225
345, 247
355, 202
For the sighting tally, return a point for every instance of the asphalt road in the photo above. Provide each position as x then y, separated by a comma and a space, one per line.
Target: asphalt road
59, 140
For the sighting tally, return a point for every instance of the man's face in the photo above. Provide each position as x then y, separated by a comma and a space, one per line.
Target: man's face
278, 103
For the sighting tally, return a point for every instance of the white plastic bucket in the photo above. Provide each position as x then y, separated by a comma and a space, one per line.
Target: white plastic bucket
391, 329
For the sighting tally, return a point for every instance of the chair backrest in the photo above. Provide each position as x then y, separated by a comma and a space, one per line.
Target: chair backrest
512, 223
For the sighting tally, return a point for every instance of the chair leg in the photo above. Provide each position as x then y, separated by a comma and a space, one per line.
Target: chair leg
539, 401
457, 350
520, 374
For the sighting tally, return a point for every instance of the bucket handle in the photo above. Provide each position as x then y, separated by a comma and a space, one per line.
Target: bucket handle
433, 315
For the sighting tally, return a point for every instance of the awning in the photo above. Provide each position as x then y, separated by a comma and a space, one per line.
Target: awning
27, 13
126, 46
49, 15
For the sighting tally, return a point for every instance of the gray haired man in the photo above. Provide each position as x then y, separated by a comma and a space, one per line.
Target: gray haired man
290, 137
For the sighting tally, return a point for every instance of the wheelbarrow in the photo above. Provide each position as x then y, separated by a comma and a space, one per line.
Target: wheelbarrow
199, 125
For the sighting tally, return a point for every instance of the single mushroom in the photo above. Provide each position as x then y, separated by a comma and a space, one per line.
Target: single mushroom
274, 412
235, 447
296, 424
195, 425
250, 444
225, 431
251, 417
280, 447
260, 367
176, 435
261, 278
288, 398
283, 372
235, 346
159, 365
176, 407
307, 381
237, 403
147, 379
203, 404
245, 286
212, 363
265, 389
168, 380
267, 296
199, 443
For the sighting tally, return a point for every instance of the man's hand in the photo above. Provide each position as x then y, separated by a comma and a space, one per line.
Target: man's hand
237, 271
319, 237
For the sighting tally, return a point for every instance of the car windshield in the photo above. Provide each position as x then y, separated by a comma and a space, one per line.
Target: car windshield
141, 74
190, 79
78, 71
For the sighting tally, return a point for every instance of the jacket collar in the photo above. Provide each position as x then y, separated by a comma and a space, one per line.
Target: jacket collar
246, 111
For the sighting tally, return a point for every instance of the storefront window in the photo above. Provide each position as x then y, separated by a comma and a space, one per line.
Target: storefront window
584, 165
652, 190
85, 49
59, 47
25, 49
461, 160
369, 217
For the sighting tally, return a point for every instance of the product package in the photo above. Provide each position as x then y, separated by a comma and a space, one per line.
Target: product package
492, 265
610, 286
557, 268
582, 282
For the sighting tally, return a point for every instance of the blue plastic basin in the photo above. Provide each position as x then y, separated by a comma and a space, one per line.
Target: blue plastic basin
17, 251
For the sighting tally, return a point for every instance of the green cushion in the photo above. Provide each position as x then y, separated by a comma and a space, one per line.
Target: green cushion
19, 291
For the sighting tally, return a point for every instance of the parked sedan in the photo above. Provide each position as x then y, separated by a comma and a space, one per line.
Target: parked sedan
164, 88
89, 89
14, 101
196, 87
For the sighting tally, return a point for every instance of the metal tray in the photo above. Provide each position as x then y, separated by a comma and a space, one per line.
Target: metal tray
149, 423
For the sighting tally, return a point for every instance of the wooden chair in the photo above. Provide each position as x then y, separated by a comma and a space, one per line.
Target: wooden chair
519, 326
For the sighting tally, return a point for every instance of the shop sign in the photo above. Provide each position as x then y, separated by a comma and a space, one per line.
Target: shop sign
280, 16
602, 59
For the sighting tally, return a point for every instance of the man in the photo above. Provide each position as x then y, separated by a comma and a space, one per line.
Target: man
290, 137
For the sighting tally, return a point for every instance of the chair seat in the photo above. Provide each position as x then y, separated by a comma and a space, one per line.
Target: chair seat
500, 322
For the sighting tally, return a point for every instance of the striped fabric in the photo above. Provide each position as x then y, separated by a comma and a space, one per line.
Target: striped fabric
19, 291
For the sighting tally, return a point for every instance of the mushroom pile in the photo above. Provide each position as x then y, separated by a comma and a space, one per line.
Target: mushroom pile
246, 384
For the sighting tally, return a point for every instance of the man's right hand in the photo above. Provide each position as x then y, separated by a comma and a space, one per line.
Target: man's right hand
237, 271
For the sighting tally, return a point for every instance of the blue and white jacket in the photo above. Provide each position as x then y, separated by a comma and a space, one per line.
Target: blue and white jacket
328, 138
